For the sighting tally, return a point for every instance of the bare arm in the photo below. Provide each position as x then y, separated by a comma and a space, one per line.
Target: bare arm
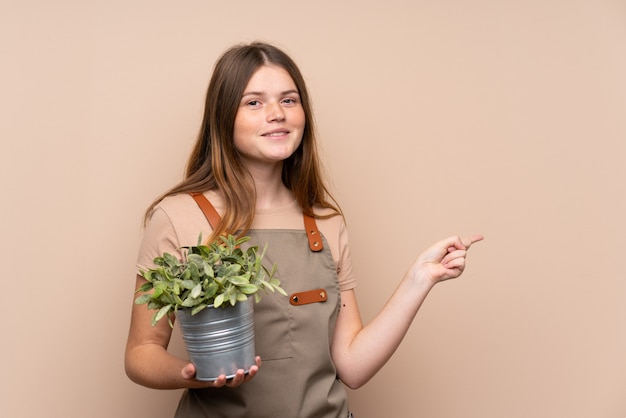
148, 363
358, 351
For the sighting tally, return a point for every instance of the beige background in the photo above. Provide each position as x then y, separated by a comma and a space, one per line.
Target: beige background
436, 117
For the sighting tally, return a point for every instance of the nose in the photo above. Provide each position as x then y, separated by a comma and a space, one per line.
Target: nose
275, 112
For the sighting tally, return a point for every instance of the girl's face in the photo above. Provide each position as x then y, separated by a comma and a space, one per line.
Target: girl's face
270, 120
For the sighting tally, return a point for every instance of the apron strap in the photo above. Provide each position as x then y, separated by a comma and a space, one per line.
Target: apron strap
312, 233
207, 208
315, 239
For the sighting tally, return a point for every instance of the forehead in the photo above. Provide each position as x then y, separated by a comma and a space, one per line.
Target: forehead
270, 77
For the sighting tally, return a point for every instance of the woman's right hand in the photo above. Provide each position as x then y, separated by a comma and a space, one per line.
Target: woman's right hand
189, 373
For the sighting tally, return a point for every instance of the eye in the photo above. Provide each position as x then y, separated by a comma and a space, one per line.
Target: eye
290, 101
253, 103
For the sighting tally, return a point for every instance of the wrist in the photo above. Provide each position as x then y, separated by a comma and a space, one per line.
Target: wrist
421, 280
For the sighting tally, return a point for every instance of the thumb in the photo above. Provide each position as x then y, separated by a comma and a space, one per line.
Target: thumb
188, 372
471, 239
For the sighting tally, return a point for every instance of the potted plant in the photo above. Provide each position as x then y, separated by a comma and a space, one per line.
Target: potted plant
210, 291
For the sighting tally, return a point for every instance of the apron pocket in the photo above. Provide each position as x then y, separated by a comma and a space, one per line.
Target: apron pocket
272, 328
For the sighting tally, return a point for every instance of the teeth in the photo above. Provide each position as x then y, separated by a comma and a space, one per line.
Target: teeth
276, 134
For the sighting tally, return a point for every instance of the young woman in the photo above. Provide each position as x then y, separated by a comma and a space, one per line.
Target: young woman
255, 161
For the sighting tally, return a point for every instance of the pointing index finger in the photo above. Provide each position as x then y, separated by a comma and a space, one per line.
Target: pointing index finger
471, 239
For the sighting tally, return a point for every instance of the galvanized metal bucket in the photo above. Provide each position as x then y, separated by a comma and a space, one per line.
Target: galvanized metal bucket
219, 340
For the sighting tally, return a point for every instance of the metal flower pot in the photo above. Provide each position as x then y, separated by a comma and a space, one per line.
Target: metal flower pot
219, 340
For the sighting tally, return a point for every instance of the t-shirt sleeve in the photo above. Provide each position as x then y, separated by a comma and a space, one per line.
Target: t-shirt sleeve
345, 274
159, 237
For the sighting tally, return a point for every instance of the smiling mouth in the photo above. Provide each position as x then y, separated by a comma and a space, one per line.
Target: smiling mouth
276, 133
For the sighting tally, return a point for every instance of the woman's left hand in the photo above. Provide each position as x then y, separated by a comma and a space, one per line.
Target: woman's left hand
445, 259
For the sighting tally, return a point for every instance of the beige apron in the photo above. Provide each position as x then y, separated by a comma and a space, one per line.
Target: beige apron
297, 378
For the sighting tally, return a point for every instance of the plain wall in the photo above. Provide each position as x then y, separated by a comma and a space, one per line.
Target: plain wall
435, 117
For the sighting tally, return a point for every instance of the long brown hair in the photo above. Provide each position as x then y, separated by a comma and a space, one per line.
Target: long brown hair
214, 163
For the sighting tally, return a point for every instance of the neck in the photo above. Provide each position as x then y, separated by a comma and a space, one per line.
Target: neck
270, 190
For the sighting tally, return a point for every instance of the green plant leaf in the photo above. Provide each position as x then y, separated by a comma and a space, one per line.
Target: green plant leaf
280, 290
154, 305
208, 270
196, 291
158, 290
241, 240
195, 259
144, 287
230, 270
170, 260
195, 272
143, 299
198, 308
188, 284
160, 314
248, 289
175, 299
239, 280
219, 299
219, 280
189, 302
210, 290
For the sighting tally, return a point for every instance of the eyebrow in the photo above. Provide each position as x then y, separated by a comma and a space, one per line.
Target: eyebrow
260, 93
